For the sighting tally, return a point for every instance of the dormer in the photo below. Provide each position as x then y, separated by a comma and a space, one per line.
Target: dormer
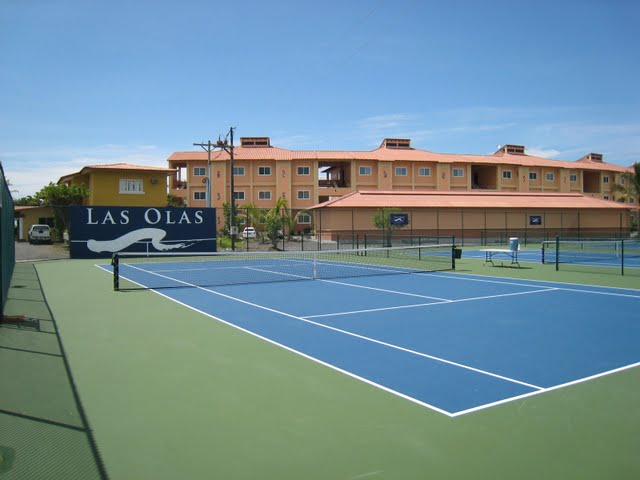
255, 141
396, 143
592, 157
512, 149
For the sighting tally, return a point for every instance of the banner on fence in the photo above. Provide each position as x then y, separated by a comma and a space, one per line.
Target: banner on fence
101, 231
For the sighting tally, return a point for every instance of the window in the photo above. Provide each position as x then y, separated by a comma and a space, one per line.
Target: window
238, 195
549, 176
606, 197
199, 171
401, 171
199, 195
304, 218
238, 171
605, 179
264, 171
304, 194
458, 172
365, 170
264, 194
573, 178
533, 176
131, 186
506, 174
304, 171
632, 200
424, 172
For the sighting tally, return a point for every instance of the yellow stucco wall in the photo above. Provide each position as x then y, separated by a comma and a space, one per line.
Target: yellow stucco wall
105, 188
31, 216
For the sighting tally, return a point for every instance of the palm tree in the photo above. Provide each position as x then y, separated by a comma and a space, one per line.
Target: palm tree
629, 188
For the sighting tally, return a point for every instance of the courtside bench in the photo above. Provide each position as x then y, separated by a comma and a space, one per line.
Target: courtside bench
511, 252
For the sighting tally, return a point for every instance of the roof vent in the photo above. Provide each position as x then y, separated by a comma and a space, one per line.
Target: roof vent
396, 143
255, 141
512, 149
591, 157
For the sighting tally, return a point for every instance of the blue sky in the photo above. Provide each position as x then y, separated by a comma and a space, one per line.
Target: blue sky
86, 82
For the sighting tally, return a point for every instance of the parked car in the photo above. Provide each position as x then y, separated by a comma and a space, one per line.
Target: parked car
40, 234
249, 232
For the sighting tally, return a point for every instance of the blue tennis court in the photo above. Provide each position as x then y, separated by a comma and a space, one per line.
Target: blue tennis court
586, 252
451, 342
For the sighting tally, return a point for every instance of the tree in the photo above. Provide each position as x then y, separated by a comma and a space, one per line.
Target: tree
382, 220
629, 188
275, 220
175, 201
293, 220
226, 211
60, 198
28, 201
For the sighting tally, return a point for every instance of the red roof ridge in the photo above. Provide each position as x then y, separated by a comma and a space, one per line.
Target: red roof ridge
500, 193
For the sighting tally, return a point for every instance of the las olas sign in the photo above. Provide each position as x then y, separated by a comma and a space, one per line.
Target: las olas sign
101, 231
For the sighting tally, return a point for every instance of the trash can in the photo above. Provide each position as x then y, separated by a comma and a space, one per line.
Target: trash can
513, 243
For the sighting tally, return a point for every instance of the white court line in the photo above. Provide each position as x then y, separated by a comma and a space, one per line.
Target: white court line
544, 390
297, 352
362, 337
447, 302
538, 390
354, 285
454, 276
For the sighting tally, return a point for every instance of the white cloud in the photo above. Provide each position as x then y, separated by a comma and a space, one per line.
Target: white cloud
543, 152
29, 171
386, 121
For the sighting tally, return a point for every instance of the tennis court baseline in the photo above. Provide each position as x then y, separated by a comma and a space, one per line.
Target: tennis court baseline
451, 342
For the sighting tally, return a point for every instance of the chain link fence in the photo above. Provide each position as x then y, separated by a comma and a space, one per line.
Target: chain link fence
7, 246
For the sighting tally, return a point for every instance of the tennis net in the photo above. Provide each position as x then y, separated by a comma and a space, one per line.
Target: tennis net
172, 270
596, 252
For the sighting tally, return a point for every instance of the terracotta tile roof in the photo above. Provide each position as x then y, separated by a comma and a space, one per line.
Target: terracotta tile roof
21, 208
127, 166
471, 199
118, 167
394, 155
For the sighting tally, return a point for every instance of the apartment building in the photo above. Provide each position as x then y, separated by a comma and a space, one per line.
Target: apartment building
263, 173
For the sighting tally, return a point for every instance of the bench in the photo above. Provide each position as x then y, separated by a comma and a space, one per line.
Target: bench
489, 253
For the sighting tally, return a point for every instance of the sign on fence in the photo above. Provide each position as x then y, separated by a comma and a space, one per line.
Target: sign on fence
399, 218
101, 231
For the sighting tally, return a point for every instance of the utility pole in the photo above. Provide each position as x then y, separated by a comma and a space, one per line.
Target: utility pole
223, 145
228, 147
208, 147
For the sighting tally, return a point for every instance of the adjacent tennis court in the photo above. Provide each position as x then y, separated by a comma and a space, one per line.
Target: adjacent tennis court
605, 254
450, 342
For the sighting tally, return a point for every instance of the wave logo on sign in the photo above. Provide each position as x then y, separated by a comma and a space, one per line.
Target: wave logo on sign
156, 235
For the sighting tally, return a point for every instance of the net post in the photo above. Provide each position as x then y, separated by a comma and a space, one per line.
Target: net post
115, 262
622, 256
453, 252
315, 267
557, 252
